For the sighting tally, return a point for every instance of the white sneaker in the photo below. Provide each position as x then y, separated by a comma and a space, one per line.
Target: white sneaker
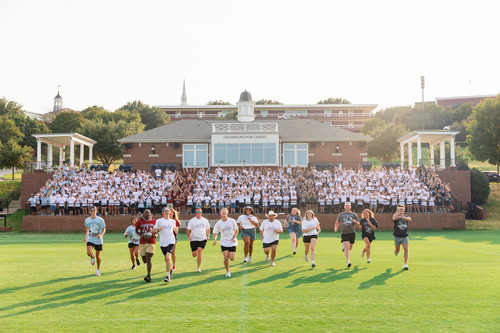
405, 267
267, 258
198, 270
272, 263
313, 264
348, 264
92, 261
249, 258
367, 261
396, 253
307, 258
98, 273
245, 259
228, 274
362, 253
343, 248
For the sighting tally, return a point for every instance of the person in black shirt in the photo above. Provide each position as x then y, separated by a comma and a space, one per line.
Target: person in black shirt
367, 224
400, 220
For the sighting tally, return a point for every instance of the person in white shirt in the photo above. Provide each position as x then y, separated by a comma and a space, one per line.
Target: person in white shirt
311, 229
167, 228
270, 231
247, 224
228, 242
198, 231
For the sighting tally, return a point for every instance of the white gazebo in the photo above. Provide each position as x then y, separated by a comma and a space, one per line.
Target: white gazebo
432, 137
61, 140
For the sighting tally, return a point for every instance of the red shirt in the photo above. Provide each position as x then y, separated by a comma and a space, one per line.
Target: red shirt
145, 229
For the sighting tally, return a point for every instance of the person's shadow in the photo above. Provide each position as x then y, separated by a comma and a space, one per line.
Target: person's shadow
379, 280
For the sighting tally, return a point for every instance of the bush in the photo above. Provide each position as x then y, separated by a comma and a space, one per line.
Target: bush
479, 186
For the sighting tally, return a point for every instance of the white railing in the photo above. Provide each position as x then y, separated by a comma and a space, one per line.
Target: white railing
244, 127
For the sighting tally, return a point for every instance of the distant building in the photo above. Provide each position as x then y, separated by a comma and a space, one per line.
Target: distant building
458, 100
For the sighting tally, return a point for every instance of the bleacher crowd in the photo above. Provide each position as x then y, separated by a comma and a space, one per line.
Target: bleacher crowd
72, 190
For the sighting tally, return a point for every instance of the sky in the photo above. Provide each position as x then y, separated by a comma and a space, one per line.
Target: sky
108, 53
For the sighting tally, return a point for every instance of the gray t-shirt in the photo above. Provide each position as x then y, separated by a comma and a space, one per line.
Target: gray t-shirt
346, 224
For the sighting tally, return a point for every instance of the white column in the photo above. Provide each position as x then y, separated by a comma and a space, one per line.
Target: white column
49, 156
432, 155
71, 152
90, 155
82, 150
402, 155
38, 154
61, 156
419, 151
442, 156
410, 157
452, 151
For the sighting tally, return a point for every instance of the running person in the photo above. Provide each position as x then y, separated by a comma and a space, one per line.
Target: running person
270, 231
198, 232
294, 222
167, 227
144, 228
311, 229
400, 220
247, 224
95, 228
228, 241
368, 225
347, 220
133, 242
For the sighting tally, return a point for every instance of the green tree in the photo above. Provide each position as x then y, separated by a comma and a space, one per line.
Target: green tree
394, 113
108, 149
336, 100
267, 102
150, 117
384, 145
9, 108
12, 155
218, 102
66, 122
230, 116
461, 112
479, 187
29, 126
9, 130
484, 129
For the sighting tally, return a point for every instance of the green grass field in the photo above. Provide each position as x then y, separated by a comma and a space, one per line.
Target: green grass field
48, 284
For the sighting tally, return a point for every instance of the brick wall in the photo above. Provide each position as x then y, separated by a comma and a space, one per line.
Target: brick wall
121, 222
350, 153
459, 181
31, 183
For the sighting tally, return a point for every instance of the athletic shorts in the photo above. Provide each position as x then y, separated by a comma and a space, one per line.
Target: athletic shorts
351, 237
226, 248
265, 245
97, 247
248, 233
132, 245
196, 244
167, 249
297, 229
146, 248
370, 237
33, 209
400, 240
307, 239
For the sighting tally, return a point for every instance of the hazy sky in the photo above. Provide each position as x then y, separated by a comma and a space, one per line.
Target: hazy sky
107, 53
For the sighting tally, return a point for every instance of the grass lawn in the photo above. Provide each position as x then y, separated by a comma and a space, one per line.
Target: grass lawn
17, 176
48, 284
8, 186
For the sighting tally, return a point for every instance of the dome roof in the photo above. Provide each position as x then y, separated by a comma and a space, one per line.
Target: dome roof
58, 96
245, 97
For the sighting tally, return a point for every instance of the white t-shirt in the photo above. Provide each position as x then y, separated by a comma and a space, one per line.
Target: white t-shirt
198, 228
245, 222
226, 230
166, 227
308, 224
269, 234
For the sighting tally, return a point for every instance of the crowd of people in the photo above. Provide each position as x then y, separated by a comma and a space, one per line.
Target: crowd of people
72, 190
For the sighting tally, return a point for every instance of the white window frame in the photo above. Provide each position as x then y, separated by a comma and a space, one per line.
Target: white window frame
194, 150
288, 146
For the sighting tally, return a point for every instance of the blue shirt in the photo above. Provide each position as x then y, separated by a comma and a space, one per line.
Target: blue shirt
133, 237
95, 228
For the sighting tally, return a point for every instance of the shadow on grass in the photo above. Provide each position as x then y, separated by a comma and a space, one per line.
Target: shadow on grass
331, 275
379, 280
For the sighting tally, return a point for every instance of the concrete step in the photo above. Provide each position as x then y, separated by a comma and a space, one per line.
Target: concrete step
14, 206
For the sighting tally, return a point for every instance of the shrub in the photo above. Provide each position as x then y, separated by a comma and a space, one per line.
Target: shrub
479, 186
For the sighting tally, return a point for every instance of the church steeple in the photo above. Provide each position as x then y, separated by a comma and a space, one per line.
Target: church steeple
58, 101
184, 99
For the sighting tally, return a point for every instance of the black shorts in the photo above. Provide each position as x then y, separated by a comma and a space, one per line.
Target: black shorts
95, 246
33, 209
348, 237
132, 245
167, 249
264, 245
230, 248
307, 239
196, 244
370, 237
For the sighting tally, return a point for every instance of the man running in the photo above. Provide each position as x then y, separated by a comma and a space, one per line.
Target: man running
95, 228
198, 231
167, 228
228, 231
347, 221
144, 228
400, 220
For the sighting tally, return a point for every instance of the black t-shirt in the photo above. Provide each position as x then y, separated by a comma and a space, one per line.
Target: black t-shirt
400, 227
366, 230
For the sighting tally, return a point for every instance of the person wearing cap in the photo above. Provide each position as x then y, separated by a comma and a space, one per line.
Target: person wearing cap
247, 223
228, 241
198, 232
270, 231
95, 228
347, 221
144, 228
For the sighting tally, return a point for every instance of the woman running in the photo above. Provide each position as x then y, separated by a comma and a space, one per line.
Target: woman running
311, 229
367, 224
294, 222
133, 242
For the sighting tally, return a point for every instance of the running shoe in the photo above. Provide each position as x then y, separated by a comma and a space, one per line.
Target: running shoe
396, 253
245, 260
92, 261
133, 267
198, 270
249, 258
313, 264
343, 249
267, 258
147, 279
173, 268
167, 279
362, 253
367, 261
348, 264
405, 267
272, 263
138, 262
228, 274
306, 257
294, 252
98, 272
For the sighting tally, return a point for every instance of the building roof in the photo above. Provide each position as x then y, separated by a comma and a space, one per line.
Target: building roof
270, 106
245, 97
290, 130
427, 136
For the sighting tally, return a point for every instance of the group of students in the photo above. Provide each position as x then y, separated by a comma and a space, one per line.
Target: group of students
143, 232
